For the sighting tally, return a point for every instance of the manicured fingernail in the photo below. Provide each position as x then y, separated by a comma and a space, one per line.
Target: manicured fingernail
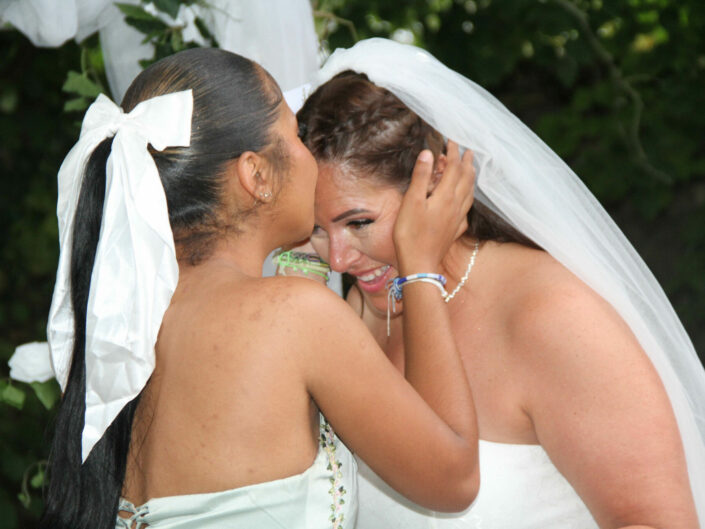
426, 156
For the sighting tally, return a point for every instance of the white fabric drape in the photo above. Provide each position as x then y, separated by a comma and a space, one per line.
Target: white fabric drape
527, 184
135, 270
278, 34
50, 23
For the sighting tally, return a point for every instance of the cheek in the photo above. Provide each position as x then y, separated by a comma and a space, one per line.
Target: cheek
320, 244
378, 243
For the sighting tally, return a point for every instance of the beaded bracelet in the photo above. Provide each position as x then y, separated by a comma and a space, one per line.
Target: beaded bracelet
396, 285
307, 263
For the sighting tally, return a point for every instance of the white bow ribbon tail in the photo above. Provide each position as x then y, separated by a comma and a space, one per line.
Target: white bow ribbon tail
135, 270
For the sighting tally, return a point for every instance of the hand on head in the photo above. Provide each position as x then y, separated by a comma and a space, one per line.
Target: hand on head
428, 223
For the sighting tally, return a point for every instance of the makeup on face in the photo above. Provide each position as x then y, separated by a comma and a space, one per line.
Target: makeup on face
354, 229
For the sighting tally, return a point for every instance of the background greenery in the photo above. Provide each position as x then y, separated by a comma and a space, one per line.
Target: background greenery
616, 88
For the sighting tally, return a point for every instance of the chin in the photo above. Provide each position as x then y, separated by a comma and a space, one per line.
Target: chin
378, 301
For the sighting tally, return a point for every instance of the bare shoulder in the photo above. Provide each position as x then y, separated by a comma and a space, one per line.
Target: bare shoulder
288, 299
274, 321
596, 402
554, 316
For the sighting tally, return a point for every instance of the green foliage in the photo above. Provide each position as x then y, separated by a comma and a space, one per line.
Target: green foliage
47, 392
12, 395
166, 38
86, 86
36, 135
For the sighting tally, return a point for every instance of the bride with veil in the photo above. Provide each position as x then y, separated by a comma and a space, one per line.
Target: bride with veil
360, 120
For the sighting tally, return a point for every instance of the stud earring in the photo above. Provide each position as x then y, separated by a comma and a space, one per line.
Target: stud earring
265, 195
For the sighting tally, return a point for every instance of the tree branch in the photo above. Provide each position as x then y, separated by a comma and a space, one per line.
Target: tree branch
622, 84
343, 21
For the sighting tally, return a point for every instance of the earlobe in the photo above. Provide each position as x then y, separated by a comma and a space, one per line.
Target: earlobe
252, 178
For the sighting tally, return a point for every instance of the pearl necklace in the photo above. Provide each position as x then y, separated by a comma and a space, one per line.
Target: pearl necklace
448, 297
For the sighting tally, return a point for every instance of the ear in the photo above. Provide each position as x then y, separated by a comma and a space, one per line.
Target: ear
254, 179
438, 169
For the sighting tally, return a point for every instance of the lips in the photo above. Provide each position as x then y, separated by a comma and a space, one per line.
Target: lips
374, 280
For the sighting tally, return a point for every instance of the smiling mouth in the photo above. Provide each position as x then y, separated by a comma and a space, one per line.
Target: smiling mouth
375, 280
375, 274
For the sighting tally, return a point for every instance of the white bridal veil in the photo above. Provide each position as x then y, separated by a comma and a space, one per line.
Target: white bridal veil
527, 184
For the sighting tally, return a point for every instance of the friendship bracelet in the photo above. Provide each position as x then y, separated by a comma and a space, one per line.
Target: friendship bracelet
396, 285
308, 263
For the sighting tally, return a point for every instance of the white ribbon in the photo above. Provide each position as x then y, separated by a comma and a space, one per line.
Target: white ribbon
135, 271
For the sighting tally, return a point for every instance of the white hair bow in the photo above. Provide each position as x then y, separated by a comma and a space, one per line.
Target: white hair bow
135, 271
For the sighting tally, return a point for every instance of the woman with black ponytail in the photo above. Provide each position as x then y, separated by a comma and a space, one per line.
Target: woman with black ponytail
197, 393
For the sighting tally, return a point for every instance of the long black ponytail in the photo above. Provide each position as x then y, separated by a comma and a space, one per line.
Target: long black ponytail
235, 104
88, 499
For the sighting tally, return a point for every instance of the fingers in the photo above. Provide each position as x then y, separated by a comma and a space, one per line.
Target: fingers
466, 185
463, 193
451, 173
421, 175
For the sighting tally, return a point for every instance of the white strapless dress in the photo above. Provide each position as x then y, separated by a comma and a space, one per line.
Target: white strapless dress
520, 489
322, 497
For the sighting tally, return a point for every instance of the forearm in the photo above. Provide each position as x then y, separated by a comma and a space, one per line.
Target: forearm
432, 362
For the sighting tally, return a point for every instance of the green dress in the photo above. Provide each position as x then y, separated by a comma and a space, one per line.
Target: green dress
324, 496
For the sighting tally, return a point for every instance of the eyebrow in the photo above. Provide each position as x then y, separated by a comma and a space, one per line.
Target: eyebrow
350, 213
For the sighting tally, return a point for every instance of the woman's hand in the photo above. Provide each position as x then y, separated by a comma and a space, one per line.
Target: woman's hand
428, 224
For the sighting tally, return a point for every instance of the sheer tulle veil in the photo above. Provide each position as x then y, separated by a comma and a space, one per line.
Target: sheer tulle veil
527, 184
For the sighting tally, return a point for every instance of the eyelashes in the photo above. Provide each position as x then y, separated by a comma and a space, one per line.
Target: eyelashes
359, 223
356, 224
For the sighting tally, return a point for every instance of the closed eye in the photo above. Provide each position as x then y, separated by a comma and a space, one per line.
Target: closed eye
359, 223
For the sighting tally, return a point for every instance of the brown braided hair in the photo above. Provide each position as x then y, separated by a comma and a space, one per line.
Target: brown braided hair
366, 130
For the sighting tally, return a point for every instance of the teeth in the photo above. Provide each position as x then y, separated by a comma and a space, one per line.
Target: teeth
374, 275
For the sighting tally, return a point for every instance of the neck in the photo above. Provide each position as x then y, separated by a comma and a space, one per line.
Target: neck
243, 252
455, 262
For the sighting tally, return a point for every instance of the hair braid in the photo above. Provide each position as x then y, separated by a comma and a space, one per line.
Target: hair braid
366, 129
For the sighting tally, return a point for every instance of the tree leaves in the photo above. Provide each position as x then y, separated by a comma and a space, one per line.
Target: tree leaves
47, 392
170, 7
81, 85
12, 395
166, 39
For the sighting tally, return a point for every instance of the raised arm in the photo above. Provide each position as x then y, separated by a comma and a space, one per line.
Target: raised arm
418, 434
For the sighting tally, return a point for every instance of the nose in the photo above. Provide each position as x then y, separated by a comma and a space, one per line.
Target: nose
341, 255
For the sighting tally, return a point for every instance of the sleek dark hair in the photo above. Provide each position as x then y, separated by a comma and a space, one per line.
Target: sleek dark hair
235, 103
351, 122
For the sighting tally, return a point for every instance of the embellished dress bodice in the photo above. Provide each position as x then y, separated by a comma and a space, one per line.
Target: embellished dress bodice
520, 488
324, 496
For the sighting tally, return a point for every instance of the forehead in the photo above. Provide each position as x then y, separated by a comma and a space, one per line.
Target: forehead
335, 179
338, 190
